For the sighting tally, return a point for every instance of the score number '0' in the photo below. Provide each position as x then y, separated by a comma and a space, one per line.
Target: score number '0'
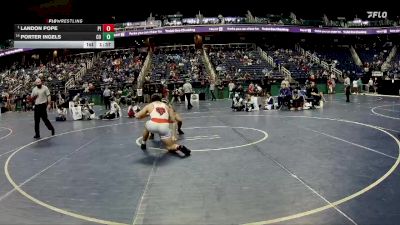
98, 37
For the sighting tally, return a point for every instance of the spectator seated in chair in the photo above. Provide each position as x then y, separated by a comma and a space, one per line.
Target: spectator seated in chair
285, 95
251, 89
77, 99
133, 109
314, 96
176, 96
62, 113
249, 104
297, 101
258, 90
269, 102
88, 112
237, 104
76, 111
114, 113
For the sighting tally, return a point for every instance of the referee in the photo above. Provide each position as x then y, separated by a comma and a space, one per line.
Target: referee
42, 98
187, 89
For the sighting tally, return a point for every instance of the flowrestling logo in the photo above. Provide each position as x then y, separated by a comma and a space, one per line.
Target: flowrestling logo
377, 14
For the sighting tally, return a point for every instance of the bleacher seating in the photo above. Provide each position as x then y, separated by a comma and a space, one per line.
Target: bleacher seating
373, 57
176, 65
299, 65
341, 58
53, 73
294, 62
116, 69
240, 63
394, 71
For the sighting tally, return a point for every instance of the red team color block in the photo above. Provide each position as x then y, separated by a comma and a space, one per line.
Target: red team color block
108, 27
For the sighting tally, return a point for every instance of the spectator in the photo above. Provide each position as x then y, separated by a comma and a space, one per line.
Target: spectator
212, 89
231, 87
346, 81
347, 88
176, 95
285, 82
62, 113
239, 90
113, 113
107, 96
221, 90
313, 93
312, 78
258, 90
237, 103
284, 96
132, 110
370, 84
359, 85
165, 91
297, 101
77, 99
375, 85
330, 86
251, 89
88, 112
269, 102
355, 87
249, 104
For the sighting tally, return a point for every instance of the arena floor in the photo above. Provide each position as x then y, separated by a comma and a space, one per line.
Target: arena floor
336, 165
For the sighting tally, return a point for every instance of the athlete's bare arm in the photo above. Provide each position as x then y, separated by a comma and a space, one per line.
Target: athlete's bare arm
144, 112
171, 114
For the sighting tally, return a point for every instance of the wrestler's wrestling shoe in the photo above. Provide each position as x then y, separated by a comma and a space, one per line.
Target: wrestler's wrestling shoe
180, 131
143, 146
184, 150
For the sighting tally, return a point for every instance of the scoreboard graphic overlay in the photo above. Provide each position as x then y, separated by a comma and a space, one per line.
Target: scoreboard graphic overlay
66, 36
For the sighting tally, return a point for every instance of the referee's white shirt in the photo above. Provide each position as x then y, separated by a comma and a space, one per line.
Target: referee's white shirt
41, 94
187, 88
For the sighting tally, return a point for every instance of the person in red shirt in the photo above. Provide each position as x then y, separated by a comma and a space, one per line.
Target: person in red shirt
251, 88
311, 79
165, 92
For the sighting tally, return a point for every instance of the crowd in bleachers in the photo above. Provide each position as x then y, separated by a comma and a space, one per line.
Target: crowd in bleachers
394, 70
115, 69
118, 69
177, 65
240, 64
338, 57
300, 66
373, 55
16, 82
234, 64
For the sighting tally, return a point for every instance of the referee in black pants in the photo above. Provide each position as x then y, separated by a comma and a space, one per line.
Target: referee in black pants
188, 90
41, 95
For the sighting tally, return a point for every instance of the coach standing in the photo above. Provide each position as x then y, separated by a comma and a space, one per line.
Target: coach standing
41, 95
347, 88
107, 96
